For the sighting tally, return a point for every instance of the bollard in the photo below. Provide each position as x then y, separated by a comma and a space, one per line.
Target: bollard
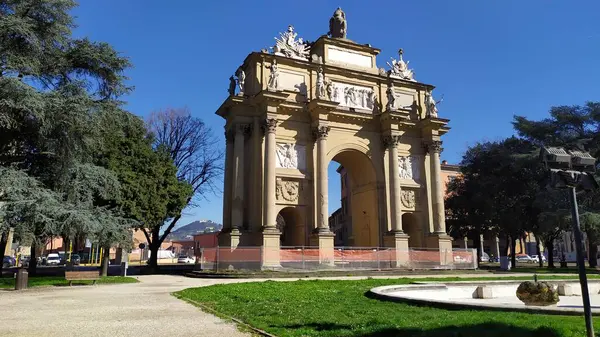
124, 266
21, 279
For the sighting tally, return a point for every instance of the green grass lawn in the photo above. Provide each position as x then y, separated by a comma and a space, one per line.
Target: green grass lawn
41, 281
341, 309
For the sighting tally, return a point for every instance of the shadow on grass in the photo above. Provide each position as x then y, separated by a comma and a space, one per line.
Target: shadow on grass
479, 330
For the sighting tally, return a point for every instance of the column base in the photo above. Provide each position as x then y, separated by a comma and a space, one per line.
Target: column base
324, 239
271, 257
443, 242
399, 242
230, 238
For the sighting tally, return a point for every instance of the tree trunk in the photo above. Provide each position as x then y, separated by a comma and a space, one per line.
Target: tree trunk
477, 242
105, 261
539, 253
3, 243
592, 250
154, 247
33, 259
66, 244
550, 248
513, 256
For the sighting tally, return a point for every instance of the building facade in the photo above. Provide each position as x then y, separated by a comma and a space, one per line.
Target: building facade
293, 110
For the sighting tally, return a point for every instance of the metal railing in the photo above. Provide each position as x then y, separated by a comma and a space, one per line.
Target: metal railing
342, 258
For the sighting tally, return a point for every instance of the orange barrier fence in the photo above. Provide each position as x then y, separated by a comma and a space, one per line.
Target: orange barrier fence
311, 258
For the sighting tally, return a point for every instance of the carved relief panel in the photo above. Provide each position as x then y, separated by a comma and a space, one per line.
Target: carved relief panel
352, 96
288, 191
410, 167
408, 199
291, 156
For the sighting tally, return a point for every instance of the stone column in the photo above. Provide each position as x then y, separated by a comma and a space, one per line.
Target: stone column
269, 204
256, 195
237, 210
322, 218
322, 236
439, 216
227, 193
438, 238
396, 210
396, 238
271, 235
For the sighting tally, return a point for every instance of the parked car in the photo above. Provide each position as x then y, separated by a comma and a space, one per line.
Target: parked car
524, 258
53, 259
75, 259
185, 259
536, 258
8, 261
24, 260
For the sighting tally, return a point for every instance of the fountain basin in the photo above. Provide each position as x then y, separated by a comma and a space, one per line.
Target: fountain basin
463, 295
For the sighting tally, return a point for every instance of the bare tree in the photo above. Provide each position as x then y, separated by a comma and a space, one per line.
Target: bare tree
194, 150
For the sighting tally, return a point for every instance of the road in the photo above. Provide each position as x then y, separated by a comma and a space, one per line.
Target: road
144, 309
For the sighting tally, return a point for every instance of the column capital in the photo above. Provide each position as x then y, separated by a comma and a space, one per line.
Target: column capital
269, 125
434, 146
242, 128
321, 132
229, 135
390, 140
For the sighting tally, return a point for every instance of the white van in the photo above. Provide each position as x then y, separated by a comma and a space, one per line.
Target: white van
53, 259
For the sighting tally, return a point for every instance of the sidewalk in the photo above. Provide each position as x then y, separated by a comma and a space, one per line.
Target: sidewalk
139, 309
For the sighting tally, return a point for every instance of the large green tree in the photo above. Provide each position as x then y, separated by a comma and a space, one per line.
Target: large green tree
64, 136
572, 127
151, 190
496, 191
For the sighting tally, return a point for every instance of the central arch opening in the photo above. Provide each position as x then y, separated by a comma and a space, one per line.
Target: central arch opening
353, 200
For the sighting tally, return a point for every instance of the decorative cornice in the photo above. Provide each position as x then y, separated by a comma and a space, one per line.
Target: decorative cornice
321, 132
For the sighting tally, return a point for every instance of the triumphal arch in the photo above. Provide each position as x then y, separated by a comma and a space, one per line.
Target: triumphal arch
297, 106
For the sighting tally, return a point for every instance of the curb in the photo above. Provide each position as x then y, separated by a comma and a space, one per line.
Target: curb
222, 315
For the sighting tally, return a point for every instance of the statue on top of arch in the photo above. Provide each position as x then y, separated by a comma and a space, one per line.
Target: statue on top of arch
337, 24
399, 68
287, 45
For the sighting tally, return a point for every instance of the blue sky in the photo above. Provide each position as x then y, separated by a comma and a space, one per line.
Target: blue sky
490, 59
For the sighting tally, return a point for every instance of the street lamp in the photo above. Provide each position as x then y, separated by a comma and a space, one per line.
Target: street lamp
573, 170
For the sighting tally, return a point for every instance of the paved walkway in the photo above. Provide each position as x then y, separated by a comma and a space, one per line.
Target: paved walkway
140, 309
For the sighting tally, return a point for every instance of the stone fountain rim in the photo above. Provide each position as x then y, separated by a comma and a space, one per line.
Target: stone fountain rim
383, 293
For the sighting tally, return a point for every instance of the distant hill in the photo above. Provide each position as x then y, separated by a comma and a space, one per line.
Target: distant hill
197, 227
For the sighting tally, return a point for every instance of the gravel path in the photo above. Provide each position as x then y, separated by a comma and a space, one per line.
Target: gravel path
142, 309
136, 309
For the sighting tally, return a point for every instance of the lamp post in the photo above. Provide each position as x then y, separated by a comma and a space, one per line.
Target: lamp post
574, 171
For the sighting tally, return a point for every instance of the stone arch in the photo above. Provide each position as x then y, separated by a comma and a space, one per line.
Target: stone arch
364, 211
358, 147
410, 226
290, 223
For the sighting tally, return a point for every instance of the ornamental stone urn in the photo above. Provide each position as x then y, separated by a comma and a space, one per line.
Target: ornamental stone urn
537, 293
